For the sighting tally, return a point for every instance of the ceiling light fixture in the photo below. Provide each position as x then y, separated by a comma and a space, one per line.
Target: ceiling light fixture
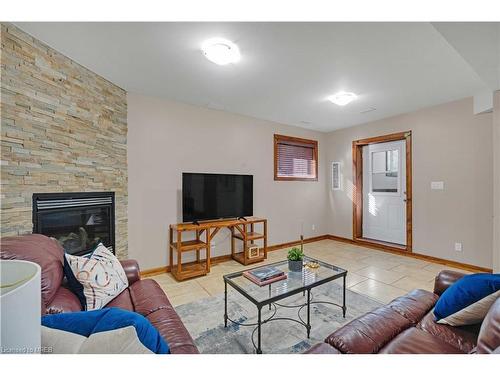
221, 51
342, 98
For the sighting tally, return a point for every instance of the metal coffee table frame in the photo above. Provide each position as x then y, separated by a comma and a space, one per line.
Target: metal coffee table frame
272, 301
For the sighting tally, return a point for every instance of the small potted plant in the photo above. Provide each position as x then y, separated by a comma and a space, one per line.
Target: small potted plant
295, 257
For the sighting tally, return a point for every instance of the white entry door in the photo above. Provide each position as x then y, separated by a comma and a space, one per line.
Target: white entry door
384, 192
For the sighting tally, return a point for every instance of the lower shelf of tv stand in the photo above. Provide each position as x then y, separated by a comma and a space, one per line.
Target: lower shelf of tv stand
189, 271
240, 257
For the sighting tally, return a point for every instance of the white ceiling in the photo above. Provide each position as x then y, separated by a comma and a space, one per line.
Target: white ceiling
287, 69
479, 44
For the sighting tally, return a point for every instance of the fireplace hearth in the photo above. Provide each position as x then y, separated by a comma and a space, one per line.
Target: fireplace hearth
79, 221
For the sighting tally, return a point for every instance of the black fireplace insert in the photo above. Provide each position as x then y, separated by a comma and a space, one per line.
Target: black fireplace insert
79, 221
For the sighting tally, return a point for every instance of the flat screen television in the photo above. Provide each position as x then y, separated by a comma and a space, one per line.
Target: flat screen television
208, 196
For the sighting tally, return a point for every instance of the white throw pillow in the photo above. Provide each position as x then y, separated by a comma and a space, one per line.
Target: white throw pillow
101, 276
119, 341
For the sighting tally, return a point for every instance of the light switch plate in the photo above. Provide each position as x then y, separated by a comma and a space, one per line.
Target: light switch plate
437, 185
458, 246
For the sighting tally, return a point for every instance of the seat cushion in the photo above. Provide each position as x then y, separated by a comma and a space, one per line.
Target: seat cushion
416, 341
463, 338
414, 305
370, 332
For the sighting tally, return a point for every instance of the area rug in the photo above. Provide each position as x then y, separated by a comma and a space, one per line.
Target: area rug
204, 319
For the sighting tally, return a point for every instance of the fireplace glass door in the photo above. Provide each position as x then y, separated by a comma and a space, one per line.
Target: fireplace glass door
79, 230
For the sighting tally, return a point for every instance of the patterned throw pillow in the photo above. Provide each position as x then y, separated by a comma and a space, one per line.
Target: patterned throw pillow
468, 300
97, 279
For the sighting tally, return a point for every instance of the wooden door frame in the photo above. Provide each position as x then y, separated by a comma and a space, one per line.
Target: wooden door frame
357, 201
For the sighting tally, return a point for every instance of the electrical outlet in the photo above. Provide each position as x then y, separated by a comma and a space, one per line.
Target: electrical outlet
458, 246
313, 227
437, 185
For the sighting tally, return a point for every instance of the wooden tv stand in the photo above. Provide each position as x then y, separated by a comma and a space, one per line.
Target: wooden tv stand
204, 232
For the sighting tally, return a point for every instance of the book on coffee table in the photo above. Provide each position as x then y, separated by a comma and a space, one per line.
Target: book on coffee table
265, 273
259, 282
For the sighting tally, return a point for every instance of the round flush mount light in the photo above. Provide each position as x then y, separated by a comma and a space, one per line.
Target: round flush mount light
221, 51
342, 98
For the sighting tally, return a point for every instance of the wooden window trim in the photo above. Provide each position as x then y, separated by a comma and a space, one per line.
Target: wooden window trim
278, 138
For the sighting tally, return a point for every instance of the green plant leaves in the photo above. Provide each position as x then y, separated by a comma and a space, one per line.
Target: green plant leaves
295, 254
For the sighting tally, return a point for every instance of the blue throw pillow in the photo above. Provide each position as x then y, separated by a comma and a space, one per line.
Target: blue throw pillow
468, 300
109, 330
74, 285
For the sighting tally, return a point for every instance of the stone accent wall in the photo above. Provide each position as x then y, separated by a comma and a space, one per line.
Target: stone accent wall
63, 129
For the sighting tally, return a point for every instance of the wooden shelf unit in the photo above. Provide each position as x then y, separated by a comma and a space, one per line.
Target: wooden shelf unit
200, 267
204, 233
248, 237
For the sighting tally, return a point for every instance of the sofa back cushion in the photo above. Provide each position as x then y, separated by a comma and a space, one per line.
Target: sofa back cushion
489, 335
44, 251
370, 332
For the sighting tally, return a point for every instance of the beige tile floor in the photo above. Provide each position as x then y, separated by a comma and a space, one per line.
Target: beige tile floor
379, 275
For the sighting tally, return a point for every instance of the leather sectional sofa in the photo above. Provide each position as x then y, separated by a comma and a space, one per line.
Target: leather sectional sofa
142, 296
407, 326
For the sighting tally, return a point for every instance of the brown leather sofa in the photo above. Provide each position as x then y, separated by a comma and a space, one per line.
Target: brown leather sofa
407, 326
142, 296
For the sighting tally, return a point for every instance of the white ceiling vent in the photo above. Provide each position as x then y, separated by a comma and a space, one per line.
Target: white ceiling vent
336, 180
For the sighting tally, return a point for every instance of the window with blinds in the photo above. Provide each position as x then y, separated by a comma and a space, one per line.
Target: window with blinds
295, 158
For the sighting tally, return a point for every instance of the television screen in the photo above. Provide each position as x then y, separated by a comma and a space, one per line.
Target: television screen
207, 196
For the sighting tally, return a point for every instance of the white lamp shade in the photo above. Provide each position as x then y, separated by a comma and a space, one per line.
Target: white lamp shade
20, 311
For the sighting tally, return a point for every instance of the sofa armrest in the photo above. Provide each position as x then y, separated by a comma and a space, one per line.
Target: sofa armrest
322, 348
131, 268
444, 279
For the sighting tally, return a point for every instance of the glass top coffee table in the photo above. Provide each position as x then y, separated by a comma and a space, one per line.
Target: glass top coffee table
269, 295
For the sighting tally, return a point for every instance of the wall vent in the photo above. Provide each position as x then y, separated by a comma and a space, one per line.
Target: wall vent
336, 180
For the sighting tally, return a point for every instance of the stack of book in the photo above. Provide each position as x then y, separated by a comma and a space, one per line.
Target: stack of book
265, 275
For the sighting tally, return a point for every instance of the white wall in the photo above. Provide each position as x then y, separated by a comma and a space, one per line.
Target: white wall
166, 138
450, 144
496, 174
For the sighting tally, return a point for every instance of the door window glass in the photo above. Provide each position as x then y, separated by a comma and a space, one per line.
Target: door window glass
385, 168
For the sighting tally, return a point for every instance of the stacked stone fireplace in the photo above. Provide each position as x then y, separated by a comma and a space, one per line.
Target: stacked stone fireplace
63, 131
